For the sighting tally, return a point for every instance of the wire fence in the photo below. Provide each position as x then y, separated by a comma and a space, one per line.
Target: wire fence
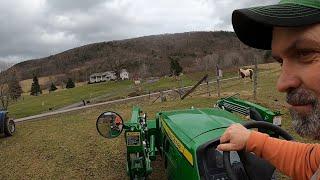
228, 86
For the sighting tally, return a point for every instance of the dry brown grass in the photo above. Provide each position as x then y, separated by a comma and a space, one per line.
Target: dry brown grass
44, 81
68, 146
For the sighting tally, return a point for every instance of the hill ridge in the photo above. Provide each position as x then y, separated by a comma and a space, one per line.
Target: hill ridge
142, 56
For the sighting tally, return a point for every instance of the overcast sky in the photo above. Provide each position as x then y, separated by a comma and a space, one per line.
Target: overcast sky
39, 28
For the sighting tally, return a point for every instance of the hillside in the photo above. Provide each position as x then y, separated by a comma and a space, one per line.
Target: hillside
5, 65
144, 56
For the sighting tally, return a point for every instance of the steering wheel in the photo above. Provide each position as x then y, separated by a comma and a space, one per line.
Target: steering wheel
255, 167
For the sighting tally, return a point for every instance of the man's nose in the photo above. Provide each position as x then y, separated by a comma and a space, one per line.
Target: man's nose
289, 78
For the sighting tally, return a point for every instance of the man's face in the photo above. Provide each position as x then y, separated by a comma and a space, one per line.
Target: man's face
298, 50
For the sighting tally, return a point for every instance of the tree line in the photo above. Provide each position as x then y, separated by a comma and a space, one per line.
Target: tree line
10, 89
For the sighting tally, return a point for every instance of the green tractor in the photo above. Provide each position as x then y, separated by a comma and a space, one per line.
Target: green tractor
187, 140
7, 125
254, 111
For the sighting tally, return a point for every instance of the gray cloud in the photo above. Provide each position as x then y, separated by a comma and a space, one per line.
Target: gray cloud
68, 5
38, 28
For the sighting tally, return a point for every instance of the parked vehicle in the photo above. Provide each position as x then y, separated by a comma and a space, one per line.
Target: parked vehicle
7, 125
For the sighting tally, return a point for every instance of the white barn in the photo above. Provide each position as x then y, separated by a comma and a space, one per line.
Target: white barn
124, 74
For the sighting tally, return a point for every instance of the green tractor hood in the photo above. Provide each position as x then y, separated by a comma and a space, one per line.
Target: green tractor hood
193, 123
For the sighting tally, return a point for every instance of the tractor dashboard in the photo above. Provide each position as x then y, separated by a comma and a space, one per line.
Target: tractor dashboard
210, 162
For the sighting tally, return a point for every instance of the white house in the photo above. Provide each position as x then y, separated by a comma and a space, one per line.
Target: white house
109, 75
102, 77
124, 74
95, 78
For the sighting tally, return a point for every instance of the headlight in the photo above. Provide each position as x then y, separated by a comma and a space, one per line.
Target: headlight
277, 120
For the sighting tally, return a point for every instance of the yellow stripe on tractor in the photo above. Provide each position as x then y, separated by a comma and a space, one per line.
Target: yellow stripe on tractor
177, 143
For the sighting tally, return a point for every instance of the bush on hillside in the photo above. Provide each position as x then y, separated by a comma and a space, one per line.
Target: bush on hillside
52, 87
70, 84
35, 87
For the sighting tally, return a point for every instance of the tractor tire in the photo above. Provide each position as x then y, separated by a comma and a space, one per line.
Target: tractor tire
165, 149
255, 115
9, 127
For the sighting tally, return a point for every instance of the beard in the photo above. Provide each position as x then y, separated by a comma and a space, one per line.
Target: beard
306, 125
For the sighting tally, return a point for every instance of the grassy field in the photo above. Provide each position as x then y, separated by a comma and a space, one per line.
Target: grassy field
32, 105
67, 146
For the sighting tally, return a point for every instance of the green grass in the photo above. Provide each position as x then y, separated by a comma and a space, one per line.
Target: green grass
32, 105
166, 83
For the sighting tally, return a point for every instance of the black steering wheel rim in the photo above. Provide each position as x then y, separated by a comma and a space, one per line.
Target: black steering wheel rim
250, 125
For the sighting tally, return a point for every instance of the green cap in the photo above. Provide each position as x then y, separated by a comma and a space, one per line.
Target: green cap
253, 26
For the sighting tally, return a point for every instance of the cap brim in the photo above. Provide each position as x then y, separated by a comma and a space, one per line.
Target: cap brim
253, 26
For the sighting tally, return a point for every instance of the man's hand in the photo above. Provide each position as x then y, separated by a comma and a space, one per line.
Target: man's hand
234, 138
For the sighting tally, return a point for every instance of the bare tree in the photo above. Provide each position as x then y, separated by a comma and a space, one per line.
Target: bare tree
4, 92
115, 64
14, 87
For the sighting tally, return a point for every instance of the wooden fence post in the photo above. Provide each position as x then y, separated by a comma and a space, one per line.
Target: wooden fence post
218, 80
255, 78
208, 87
207, 79
218, 86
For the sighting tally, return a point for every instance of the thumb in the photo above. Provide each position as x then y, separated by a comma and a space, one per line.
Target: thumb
226, 147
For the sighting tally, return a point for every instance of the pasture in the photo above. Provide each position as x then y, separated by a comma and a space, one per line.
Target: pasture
31, 105
67, 146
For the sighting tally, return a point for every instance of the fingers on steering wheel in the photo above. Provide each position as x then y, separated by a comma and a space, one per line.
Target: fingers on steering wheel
225, 137
227, 147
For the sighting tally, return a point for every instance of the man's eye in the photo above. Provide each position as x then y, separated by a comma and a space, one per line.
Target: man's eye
304, 53
308, 56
